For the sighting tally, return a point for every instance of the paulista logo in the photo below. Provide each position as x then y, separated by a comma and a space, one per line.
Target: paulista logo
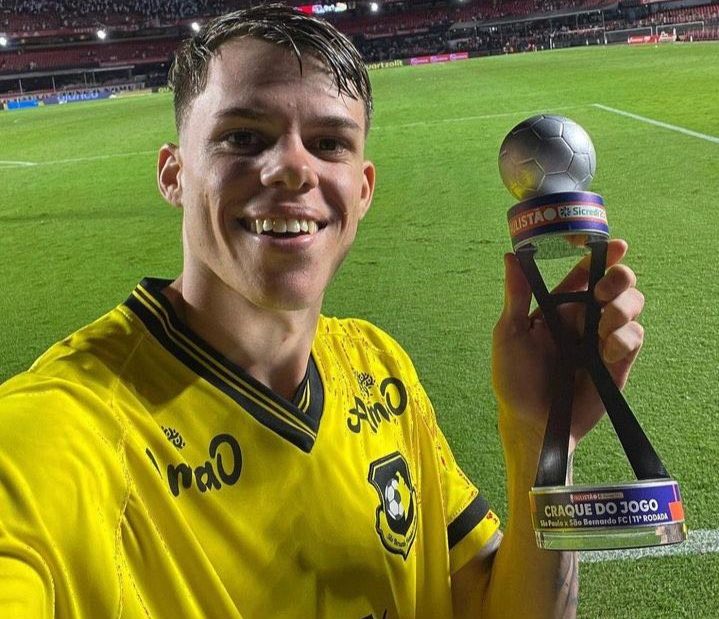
396, 516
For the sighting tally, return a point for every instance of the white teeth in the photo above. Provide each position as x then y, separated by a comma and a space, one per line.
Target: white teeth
282, 226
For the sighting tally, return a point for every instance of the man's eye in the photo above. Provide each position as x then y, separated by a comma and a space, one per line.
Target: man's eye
242, 139
331, 145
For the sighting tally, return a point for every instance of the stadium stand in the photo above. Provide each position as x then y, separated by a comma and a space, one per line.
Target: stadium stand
89, 56
51, 45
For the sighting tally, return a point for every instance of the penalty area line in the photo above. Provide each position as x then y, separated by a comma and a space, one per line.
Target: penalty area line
699, 542
658, 123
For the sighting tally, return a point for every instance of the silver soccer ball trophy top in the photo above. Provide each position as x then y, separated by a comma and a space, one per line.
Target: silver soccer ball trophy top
547, 154
548, 162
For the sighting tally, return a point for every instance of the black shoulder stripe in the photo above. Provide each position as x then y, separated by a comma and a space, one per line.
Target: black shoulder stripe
467, 520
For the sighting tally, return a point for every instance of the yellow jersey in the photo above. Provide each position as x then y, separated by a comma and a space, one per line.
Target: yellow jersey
142, 474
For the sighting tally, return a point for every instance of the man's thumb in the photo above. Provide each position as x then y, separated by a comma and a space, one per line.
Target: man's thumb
517, 293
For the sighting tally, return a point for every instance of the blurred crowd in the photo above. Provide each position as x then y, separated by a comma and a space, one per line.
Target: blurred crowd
398, 31
42, 15
171, 9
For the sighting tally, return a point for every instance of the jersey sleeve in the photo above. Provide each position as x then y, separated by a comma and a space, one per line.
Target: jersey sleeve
472, 527
61, 492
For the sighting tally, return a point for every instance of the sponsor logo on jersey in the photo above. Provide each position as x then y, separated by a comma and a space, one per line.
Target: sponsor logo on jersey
368, 414
396, 515
223, 468
174, 437
365, 381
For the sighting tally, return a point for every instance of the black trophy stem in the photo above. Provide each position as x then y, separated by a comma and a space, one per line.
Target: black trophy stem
552, 469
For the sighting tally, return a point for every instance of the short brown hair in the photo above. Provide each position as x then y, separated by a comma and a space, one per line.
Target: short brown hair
278, 24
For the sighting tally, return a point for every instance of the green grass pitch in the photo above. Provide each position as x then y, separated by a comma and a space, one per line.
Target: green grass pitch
81, 227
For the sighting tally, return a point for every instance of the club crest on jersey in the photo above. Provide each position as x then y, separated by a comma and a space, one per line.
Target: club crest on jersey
396, 515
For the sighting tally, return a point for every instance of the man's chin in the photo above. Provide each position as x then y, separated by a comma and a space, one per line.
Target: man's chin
288, 299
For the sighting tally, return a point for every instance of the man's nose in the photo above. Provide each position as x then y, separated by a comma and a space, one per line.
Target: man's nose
290, 165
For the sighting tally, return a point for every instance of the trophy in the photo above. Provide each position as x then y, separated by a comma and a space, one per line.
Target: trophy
547, 162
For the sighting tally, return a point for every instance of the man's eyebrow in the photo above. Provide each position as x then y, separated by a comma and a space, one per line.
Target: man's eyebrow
335, 122
325, 122
241, 112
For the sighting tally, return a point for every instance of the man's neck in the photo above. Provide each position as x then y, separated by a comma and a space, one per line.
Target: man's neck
272, 346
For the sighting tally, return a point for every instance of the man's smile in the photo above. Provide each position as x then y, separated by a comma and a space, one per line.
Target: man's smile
282, 227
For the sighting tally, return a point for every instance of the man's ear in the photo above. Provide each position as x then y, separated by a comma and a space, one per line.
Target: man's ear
369, 172
168, 174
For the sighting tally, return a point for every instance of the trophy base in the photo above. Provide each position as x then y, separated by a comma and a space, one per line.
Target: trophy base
631, 515
613, 539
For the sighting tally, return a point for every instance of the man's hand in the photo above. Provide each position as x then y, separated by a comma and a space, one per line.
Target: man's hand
524, 360
524, 354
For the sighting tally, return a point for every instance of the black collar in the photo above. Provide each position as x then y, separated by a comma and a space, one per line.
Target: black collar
297, 420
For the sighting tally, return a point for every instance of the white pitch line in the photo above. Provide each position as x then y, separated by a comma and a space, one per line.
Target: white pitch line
700, 542
14, 164
17, 163
5, 165
461, 119
97, 157
658, 123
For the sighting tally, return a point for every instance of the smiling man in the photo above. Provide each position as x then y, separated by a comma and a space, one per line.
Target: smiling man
214, 447
271, 176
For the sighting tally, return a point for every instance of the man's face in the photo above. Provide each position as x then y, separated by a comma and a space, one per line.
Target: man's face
271, 176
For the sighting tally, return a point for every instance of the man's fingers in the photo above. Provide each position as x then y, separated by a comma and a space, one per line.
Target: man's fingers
616, 280
622, 310
578, 277
623, 343
517, 293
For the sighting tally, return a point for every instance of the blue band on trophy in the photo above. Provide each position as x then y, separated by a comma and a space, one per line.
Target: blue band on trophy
565, 213
570, 510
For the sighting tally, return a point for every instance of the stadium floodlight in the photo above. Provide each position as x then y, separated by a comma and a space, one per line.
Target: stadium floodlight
374, 6
3, 41
195, 26
101, 34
